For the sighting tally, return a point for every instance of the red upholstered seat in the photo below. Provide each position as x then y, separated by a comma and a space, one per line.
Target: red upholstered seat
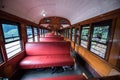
71, 77
49, 39
46, 54
52, 36
31, 62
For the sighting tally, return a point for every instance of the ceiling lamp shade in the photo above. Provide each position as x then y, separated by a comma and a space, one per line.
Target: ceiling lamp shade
43, 13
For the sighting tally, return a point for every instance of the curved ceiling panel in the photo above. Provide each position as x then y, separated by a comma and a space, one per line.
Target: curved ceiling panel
73, 10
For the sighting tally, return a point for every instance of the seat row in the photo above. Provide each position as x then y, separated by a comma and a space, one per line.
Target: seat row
51, 51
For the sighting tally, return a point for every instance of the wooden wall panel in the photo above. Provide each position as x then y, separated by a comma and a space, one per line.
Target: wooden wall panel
72, 45
55, 22
114, 57
11, 66
23, 34
99, 65
104, 66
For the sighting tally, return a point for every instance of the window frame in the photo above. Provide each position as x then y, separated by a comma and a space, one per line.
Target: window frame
35, 34
7, 43
73, 34
87, 41
32, 37
69, 33
77, 35
102, 24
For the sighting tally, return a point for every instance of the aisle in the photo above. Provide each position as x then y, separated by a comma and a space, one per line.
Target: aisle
44, 73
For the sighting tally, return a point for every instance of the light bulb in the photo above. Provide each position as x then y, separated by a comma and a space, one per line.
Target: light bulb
44, 14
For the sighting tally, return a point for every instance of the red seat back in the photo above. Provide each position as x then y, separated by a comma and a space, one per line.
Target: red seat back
47, 48
47, 39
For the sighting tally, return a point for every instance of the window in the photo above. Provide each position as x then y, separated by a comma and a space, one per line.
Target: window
84, 35
1, 57
29, 34
77, 36
12, 38
69, 33
47, 20
73, 34
65, 33
35, 35
46, 31
41, 32
99, 38
63, 21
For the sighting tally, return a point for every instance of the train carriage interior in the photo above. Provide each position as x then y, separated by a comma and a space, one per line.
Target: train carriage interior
59, 39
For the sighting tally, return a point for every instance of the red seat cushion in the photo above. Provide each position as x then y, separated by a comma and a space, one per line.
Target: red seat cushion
72, 77
30, 62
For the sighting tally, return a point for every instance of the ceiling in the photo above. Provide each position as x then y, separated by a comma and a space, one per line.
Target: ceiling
73, 10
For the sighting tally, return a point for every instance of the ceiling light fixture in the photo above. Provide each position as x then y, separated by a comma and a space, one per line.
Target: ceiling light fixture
43, 13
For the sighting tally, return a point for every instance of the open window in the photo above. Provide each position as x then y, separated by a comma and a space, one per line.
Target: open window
46, 31
12, 38
35, 34
77, 35
41, 30
65, 33
69, 33
100, 35
73, 34
29, 34
84, 35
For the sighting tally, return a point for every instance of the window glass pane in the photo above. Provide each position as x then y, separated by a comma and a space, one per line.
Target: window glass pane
29, 31
35, 35
10, 32
65, 32
69, 30
73, 34
77, 36
41, 32
98, 49
29, 34
99, 38
84, 36
12, 39
12, 46
46, 31
100, 34
35, 31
